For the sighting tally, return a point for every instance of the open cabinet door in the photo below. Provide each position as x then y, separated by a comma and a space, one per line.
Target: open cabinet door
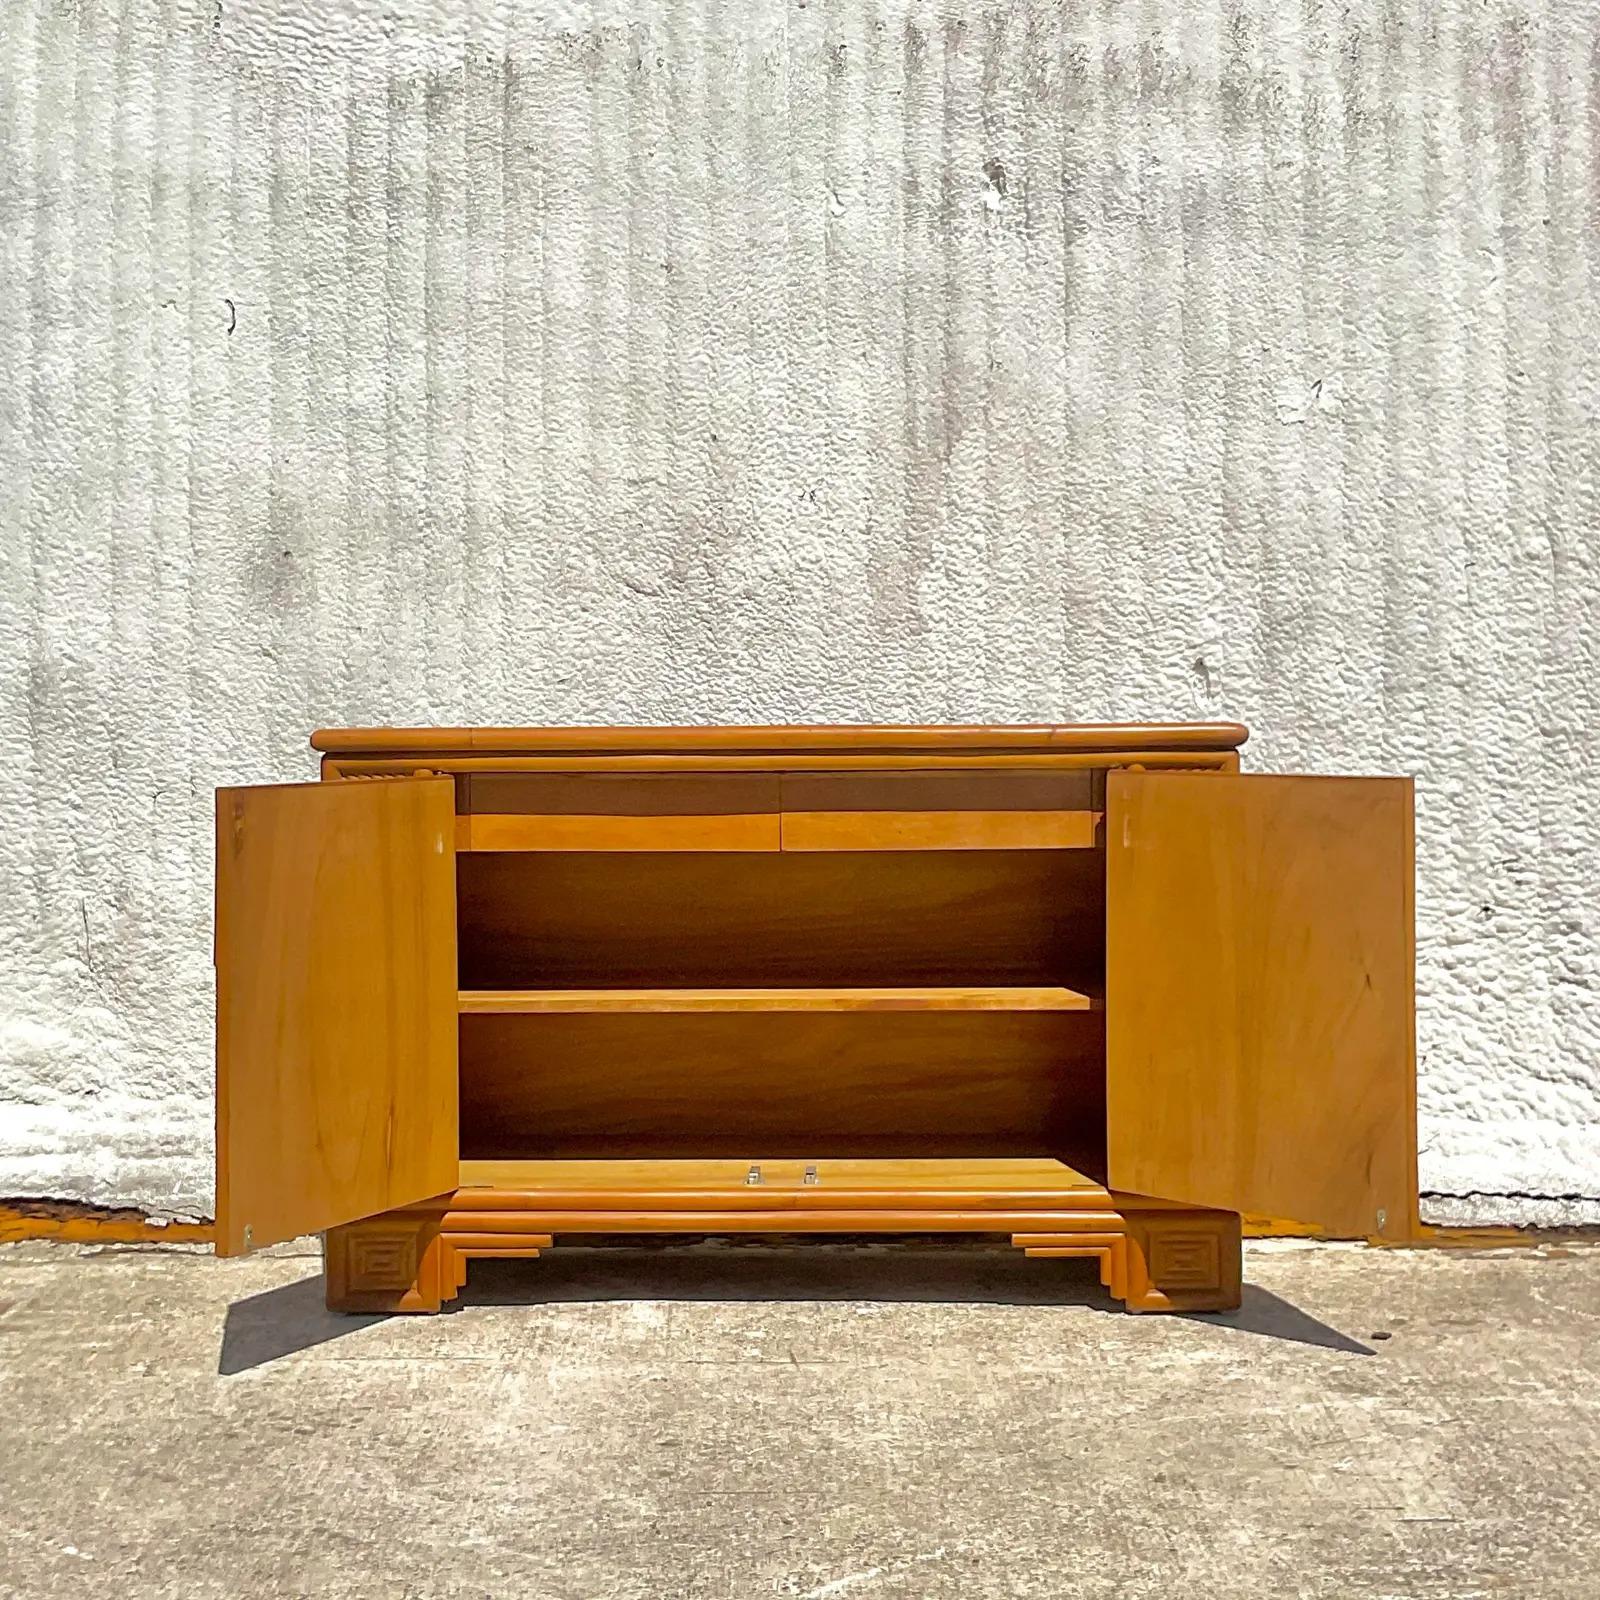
336, 1004
1259, 996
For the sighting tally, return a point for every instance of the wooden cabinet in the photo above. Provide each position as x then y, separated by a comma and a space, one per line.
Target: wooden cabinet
1089, 987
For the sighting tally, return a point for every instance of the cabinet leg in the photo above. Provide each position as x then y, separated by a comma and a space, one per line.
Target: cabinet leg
1183, 1261
409, 1260
397, 1262
1158, 1260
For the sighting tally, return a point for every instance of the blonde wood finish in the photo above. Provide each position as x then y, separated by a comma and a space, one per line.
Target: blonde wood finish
336, 1001
830, 920
588, 1002
849, 948
396, 1262
793, 811
1014, 1178
805, 830
978, 790
1260, 1051
676, 1185
620, 811
1159, 1260
784, 1211
716, 762
971, 810
625, 794
784, 740
487, 831
803, 1085
939, 830
1152, 1257
412, 1260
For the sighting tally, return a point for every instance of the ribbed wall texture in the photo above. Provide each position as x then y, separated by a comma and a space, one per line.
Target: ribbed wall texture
369, 360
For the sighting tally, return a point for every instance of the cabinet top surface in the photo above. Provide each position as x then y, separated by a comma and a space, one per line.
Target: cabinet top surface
1042, 737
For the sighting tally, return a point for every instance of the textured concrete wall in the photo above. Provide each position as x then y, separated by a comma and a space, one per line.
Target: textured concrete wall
410, 362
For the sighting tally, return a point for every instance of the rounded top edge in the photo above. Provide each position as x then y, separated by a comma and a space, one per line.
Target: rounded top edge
780, 737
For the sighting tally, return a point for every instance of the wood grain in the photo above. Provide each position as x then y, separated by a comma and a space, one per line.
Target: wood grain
487, 831
665, 1002
336, 1004
832, 920
856, 947
624, 794
684, 1184
806, 1085
1151, 1258
1094, 736
1259, 996
950, 791
421, 762
939, 830
620, 811
939, 810
795, 811
783, 1211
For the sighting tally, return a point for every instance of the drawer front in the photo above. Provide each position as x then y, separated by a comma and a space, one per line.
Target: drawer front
620, 811
793, 811
939, 811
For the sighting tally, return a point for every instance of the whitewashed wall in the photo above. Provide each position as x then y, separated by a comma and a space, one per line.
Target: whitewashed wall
381, 361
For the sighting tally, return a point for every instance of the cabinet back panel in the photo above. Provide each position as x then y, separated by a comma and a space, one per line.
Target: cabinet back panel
783, 1084
660, 920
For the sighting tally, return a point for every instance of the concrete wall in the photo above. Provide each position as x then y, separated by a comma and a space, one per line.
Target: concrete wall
735, 360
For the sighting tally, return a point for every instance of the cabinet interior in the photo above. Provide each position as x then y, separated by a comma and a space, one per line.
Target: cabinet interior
850, 1004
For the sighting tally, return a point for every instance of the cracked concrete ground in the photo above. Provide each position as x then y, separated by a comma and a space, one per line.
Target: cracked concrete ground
820, 1421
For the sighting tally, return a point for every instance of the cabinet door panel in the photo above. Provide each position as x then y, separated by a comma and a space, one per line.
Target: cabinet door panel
1259, 1006
336, 1004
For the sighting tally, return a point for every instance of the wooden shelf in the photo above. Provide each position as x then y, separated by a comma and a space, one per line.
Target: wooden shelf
546, 1002
894, 1184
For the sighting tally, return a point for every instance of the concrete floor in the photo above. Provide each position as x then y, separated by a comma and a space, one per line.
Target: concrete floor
823, 1422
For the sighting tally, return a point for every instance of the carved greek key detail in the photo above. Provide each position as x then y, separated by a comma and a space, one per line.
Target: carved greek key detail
383, 1260
1185, 1260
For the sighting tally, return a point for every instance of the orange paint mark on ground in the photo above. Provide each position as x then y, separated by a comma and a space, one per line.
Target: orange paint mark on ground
1429, 1235
1277, 1228
68, 1220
